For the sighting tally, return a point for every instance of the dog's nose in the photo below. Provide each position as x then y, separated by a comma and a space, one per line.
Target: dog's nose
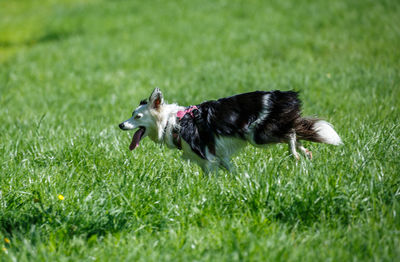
121, 125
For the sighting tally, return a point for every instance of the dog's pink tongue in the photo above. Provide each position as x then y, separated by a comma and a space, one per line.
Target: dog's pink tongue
136, 139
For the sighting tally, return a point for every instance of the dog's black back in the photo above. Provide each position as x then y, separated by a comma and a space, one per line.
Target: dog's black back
234, 116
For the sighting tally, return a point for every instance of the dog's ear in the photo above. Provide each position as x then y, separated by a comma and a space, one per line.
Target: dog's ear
156, 99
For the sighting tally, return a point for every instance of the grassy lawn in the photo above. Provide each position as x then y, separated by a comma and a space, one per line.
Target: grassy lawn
71, 71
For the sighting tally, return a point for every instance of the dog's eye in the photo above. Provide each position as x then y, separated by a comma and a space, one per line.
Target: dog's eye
138, 116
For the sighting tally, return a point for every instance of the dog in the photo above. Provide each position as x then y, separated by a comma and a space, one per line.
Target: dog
211, 132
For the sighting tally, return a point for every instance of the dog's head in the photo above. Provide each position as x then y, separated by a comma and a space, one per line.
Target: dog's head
144, 117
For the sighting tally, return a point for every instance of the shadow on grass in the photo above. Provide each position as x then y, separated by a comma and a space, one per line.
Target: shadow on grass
79, 225
45, 38
34, 218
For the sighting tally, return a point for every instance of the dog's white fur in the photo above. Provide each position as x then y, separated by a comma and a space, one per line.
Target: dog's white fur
155, 121
327, 133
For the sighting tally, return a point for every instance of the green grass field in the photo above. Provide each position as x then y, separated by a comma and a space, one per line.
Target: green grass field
71, 71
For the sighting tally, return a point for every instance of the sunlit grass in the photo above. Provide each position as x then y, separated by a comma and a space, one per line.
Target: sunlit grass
71, 190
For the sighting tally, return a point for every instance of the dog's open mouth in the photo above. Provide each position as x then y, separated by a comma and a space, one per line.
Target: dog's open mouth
136, 138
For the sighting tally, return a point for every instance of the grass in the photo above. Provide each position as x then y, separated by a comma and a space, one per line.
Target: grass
70, 71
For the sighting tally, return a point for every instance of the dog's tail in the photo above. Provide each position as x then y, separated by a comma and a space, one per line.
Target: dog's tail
316, 130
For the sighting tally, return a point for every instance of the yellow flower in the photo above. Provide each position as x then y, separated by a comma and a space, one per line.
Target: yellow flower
7, 240
61, 197
5, 250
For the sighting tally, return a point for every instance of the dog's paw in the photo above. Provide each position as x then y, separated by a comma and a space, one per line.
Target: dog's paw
308, 154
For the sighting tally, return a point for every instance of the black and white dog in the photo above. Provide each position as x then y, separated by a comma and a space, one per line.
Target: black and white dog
209, 133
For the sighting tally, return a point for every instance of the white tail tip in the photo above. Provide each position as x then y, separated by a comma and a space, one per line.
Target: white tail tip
326, 133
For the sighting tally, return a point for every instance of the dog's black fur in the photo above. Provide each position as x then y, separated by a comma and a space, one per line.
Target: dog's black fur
233, 115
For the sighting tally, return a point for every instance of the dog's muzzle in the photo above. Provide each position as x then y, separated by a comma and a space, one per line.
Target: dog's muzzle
122, 126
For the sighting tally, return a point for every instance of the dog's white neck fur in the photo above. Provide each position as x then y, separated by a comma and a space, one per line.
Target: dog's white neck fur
165, 115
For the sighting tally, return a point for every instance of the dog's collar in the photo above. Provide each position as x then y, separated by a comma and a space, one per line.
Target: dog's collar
176, 139
188, 110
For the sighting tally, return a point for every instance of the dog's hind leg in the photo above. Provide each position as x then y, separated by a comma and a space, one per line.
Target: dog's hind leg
304, 150
292, 145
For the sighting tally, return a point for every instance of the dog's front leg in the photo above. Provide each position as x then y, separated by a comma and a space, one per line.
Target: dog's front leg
209, 167
226, 164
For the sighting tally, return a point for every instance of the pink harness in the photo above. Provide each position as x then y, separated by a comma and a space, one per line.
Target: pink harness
181, 114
